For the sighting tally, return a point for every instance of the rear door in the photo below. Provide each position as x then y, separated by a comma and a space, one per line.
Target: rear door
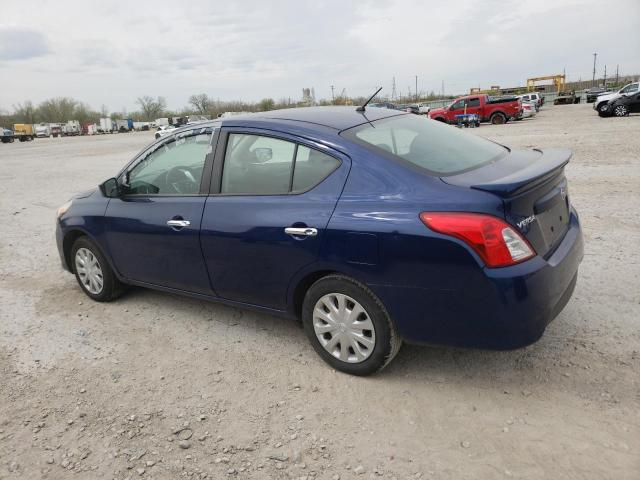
272, 197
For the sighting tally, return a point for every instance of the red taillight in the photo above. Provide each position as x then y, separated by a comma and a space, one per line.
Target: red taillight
496, 242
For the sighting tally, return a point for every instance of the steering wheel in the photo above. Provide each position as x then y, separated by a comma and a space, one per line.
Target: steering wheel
181, 180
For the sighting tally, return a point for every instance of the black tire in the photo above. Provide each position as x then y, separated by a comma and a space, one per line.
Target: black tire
498, 119
602, 107
620, 110
387, 341
112, 288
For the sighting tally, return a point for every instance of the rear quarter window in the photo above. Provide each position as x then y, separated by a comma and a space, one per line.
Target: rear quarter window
434, 147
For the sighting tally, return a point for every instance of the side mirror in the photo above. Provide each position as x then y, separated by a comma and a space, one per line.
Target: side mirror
110, 188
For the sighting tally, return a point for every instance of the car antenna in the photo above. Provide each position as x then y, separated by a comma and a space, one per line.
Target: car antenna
362, 107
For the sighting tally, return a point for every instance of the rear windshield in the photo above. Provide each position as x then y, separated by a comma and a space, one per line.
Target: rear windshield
433, 146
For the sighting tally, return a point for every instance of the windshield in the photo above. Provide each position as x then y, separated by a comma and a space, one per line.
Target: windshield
435, 147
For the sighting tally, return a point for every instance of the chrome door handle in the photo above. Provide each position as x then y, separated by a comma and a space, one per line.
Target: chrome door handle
178, 223
301, 232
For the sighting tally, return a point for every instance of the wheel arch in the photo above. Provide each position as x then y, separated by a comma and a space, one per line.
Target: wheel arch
303, 284
69, 238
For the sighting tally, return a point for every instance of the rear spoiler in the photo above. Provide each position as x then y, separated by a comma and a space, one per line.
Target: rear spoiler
527, 175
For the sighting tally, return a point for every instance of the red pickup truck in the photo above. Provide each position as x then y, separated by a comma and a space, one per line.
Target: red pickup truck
497, 110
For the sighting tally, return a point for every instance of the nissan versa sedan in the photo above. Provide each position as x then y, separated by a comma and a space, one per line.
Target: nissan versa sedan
372, 227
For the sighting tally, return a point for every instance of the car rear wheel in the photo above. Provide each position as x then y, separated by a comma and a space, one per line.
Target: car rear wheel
348, 326
621, 111
498, 119
93, 273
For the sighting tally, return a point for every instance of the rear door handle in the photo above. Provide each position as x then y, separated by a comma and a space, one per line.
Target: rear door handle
178, 223
301, 231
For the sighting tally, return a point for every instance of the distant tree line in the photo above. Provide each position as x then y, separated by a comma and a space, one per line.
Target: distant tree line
63, 109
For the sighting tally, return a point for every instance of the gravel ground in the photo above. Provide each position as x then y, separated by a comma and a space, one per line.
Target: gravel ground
160, 386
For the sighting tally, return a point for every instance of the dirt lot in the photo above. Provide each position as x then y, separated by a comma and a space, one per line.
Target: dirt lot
160, 386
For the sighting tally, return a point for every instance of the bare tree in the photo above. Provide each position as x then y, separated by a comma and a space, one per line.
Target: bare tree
266, 104
201, 103
59, 109
152, 108
24, 112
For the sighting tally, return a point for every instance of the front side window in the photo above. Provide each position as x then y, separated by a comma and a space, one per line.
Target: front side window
434, 147
175, 168
259, 165
458, 105
630, 88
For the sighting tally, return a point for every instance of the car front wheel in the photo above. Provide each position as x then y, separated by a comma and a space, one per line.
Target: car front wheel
621, 111
348, 326
93, 273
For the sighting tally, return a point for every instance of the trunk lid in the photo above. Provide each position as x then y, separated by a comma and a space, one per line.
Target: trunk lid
533, 188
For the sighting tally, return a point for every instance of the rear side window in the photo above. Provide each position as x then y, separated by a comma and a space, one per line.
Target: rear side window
436, 148
311, 167
473, 102
260, 165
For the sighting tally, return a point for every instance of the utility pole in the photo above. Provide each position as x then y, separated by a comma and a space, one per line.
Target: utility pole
333, 97
605, 76
617, 74
416, 88
394, 93
593, 80
442, 88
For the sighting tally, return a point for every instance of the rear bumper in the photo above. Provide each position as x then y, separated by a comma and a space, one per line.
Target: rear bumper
503, 308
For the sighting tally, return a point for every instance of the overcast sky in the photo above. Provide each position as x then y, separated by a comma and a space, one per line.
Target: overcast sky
113, 52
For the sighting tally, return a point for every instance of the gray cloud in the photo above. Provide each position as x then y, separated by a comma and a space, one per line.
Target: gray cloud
255, 49
21, 43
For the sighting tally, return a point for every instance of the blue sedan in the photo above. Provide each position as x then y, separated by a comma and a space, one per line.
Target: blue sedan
372, 227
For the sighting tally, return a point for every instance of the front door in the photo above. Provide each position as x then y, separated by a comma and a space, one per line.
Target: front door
274, 197
153, 230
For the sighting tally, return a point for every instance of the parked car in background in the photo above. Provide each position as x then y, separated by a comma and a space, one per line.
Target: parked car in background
415, 109
371, 227
387, 105
535, 98
528, 110
593, 93
603, 99
56, 130
164, 130
621, 106
43, 130
568, 97
71, 128
425, 108
23, 132
497, 110
6, 135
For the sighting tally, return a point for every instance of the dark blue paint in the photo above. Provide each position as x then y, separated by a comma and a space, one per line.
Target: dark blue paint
435, 288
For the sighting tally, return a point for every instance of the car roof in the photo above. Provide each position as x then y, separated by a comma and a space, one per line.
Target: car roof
334, 117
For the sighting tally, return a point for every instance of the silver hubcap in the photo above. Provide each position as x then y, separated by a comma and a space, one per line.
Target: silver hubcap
343, 328
89, 271
621, 111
